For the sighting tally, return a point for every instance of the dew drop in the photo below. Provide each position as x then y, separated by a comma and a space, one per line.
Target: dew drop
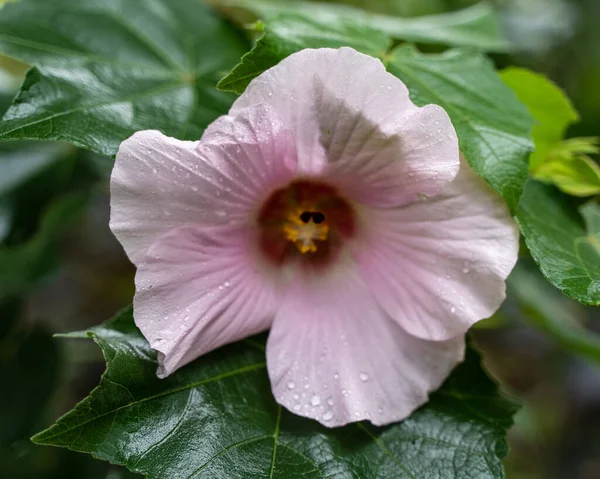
227, 284
327, 416
330, 401
364, 377
296, 396
291, 385
315, 400
297, 407
453, 309
466, 270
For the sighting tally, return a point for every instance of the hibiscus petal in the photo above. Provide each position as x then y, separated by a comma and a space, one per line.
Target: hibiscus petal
355, 124
335, 356
200, 288
159, 183
440, 265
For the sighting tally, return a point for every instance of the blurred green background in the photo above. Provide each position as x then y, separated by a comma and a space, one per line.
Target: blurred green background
61, 270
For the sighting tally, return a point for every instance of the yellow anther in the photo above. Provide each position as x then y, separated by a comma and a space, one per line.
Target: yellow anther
302, 230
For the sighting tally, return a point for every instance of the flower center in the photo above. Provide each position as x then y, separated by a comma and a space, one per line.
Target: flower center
306, 219
303, 228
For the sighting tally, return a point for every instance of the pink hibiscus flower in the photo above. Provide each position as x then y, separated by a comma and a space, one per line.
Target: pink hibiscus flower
327, 207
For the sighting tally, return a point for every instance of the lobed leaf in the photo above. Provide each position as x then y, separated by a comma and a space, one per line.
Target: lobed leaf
567, 252
477, 26
289, 33
105, 69
217, 418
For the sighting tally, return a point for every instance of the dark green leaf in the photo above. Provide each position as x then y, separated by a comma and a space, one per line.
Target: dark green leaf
22, 265
6, 218
217, 418
288, 33
29, 367
477, 26
107, 69
494, 128
20, 161
568, 255
553, 313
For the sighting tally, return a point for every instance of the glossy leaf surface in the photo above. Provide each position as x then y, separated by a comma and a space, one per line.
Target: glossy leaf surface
476, 27
105, 69
217, 418
567, 251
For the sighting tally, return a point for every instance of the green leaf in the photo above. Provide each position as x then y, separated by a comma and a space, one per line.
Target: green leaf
477, 26
568, 255
549, 106
288, 33
107, 69
6, 218
22, 265
563, 163
568, 167
553, 313
493, 127
29, 365
20, 161
217, 418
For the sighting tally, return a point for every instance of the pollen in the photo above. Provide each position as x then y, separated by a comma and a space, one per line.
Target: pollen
304, 227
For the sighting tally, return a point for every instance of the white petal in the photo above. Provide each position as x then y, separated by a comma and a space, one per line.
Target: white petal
335, 356
200, 288
440, 265
159, 183
355, 123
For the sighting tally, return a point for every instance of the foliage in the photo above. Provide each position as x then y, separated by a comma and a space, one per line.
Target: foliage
475, 27
102, 70
566, 163
566, 251
153, 68
217, 418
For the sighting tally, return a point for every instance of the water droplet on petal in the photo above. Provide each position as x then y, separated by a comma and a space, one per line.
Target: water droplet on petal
453, 309
315, 400
297, 407
466, 270
364, 377
291, 385
327, 416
